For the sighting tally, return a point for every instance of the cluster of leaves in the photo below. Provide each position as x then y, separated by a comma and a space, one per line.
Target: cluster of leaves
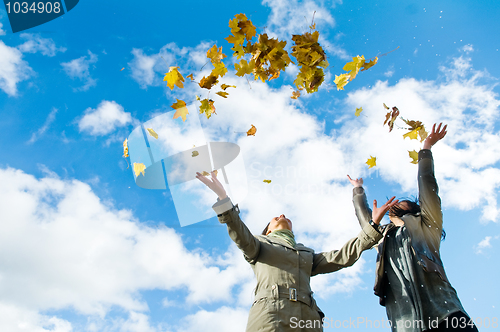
416, 130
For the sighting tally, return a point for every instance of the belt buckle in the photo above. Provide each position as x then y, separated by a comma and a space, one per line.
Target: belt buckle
293, 294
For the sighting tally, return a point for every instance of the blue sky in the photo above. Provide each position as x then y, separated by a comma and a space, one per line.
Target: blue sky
83, 248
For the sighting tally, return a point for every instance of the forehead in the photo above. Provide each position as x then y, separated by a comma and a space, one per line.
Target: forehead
404, 205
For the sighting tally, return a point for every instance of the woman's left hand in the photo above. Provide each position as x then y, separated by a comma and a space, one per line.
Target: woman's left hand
379, 212
435, 136
356, 182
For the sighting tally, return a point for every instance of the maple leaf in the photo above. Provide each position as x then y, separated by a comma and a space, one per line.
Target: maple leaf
219, 70
205, 173
392, 115
368, 65
191, 77
358, 111
125, 148
207, 107
195, 153
122, 68
267, 181
222, 94
295, 94
414, 156
139, 168
225, 86
215, 55
173, 77
252, 131
354, 66
311, 60
208, 82
423, 134
238, 51
180, 109
243, 67
341, 81
236, 40
386, 107
371, 162
417, 125
413, 134
152, 132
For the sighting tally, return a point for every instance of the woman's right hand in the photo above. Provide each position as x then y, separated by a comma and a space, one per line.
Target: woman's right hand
379, 212
213, 184
356, 182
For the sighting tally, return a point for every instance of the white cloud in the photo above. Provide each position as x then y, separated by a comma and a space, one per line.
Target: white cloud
149, 70
104, 119
485, 243
35, 44
50, 118
13, 69
224, 319
79, 69
61, 247
2, 32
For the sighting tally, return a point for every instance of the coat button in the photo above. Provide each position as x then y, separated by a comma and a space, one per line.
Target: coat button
274, 287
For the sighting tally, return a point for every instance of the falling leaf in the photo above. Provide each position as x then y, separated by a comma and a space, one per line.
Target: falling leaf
222, 94
311, 59
208, 82
244, 67
191, 77
215, 55
414, 156
139, 168
354, 66
180, 109
207, 107
386, 107
205, 173
225, 86
341, 81
412, 134
125, 148
358, 111
372, 162
152, 132
219, 70
173, 77
252, 131
313, 26
417, 125
195, 153
390, 117
122, 69
368, 65
295, 94
267, 181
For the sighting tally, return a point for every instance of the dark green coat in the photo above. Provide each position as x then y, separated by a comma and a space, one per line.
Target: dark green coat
281, 269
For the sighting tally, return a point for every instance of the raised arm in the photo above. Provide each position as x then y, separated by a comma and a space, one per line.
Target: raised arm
430, 203
229, 215
326, 262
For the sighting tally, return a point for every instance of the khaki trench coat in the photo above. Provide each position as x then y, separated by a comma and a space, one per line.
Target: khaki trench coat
424, 228
283, 296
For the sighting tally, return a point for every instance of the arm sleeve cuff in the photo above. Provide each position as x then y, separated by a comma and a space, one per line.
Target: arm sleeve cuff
358, 190
222, 205
424, 153
372, 236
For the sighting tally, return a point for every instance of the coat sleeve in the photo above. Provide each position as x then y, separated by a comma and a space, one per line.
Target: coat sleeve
430, 203
361, 207
331, 261
238, 231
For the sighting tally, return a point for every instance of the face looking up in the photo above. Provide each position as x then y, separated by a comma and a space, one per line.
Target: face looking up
280, 222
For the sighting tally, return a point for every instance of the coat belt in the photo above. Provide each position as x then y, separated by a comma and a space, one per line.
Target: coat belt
277, 291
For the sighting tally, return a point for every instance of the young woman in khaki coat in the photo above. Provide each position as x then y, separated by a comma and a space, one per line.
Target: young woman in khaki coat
410, 278
283, 296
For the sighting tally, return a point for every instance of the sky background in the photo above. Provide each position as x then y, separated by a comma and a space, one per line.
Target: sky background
83, 248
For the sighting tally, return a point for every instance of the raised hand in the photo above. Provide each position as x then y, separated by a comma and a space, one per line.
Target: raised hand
379, 212
356, 182
435, 136
213, 184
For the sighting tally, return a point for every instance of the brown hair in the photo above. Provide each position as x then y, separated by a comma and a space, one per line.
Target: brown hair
264, 232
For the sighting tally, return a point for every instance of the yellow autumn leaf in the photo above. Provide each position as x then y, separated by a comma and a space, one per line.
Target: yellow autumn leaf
219, 70
412, 134
205, 173
341, 81
354, 66
267, 181
180, 109
244, 67
371, 162
139, 168
414, 156
207, 107
191, 77
252, 131
152, 132
195, 153
423, 134
173, 77
207, 82
368, 65
125, 148
215, 54
225, 86
222, 94
295, 94
358, 111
